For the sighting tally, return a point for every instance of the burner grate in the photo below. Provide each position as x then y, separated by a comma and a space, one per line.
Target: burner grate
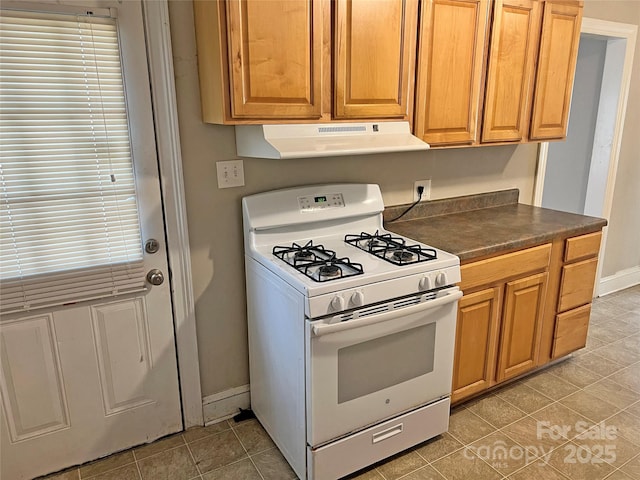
392, 249
316, 262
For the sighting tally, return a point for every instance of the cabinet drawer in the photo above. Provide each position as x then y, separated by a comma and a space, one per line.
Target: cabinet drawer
504, 267
576, 286
571, 331
585, 246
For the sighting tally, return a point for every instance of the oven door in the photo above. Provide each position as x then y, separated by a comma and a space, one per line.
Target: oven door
377, 362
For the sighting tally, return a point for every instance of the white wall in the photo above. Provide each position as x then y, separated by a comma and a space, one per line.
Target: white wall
623, 241
571, 159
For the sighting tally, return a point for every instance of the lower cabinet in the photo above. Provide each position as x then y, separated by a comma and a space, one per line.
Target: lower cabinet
521, 310
499, 319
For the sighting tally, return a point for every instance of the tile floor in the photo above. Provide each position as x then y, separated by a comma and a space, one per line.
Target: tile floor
578, 420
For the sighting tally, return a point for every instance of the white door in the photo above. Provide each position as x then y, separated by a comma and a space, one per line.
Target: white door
82, 380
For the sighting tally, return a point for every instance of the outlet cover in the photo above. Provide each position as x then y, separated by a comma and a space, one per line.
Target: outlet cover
426, 194
230, 173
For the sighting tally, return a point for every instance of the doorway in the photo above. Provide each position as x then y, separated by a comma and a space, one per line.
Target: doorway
578, 175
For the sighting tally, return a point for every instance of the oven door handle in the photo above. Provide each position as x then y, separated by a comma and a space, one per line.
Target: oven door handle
324, 329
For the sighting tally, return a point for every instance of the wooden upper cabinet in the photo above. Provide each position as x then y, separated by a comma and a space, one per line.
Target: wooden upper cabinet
556, 69
510, 71
275, 58
450, 70
374, 58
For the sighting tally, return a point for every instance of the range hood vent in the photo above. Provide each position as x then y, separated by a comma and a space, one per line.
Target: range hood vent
325, 140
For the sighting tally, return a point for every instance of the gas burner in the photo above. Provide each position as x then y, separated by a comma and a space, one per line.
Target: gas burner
304, 256
403, 255
392, 249
329, 271
316, 262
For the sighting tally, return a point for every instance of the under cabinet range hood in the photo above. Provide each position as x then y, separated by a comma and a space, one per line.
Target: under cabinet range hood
325, 139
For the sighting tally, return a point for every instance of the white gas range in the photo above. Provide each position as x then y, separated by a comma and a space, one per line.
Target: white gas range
351, 328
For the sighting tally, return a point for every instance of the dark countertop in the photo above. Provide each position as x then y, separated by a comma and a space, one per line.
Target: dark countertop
489, 224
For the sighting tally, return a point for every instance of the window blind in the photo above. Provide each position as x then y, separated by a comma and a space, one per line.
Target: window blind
69, 216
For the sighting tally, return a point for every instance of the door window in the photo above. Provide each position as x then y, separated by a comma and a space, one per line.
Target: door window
69, 212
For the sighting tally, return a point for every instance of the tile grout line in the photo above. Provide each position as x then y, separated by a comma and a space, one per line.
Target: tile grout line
192, 457
246, 452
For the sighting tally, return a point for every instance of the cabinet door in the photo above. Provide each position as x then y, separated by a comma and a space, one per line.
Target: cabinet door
522, 319
374, 58
556, 69
510, 72
275, 58
450, 66
476, 342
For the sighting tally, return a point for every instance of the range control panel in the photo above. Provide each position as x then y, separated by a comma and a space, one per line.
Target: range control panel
311, 203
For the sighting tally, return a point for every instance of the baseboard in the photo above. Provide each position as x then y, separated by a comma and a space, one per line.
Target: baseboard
223, 405
619, 281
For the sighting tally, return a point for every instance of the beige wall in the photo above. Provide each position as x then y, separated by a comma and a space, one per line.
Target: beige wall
214, 215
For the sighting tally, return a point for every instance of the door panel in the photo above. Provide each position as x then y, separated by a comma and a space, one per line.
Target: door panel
556, 69
97, 376
476, 342
521, 329
375, 58
275, 52
510, 73
120, 332
450, 66
33, 395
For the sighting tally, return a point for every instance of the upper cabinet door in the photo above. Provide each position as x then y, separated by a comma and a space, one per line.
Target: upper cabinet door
275, 58
510, 72
374, 58
556, 69
450, 69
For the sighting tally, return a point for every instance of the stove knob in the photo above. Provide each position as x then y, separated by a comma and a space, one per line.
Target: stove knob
357, 299
441, 279
337, 303
425, 283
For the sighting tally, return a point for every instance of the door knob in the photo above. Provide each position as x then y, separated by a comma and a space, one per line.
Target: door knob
155, 277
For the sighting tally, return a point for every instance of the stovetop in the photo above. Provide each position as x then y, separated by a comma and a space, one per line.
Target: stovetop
322, 265
327, 240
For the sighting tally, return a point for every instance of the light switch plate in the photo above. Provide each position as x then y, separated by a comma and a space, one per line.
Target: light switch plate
230, 173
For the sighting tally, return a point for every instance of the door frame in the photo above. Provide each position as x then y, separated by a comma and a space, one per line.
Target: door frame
165, 112
621, 40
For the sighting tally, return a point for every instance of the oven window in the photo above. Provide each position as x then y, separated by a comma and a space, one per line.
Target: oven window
371, 366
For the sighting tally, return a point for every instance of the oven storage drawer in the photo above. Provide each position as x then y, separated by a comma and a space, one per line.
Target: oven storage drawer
375, 443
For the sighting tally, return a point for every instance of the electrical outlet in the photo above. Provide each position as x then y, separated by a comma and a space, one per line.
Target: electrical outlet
230, 174
426, 194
